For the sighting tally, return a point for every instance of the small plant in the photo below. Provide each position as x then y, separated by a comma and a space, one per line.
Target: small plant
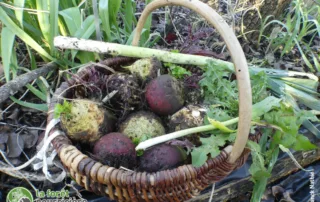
298, 30
177, 71
64, 108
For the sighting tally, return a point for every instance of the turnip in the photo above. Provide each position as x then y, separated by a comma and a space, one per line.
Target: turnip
145, 69
162, 157
165, 95
115, 149
188, 117
86, 122
142, 124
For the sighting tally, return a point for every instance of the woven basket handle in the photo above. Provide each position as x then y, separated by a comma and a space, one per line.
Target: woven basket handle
238, 57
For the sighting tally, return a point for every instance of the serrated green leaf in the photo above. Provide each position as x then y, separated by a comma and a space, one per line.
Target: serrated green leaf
210, 146
302, 143
199, 156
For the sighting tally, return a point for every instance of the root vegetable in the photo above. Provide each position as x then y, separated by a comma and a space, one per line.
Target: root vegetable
142, 124
188, 117
86, 122
165, 95
162, 157
145, 69
128, 92
115, 149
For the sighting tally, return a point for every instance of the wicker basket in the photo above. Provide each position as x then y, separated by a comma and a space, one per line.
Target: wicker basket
184, 182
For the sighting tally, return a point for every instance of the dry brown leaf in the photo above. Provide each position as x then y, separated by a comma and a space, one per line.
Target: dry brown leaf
15, 145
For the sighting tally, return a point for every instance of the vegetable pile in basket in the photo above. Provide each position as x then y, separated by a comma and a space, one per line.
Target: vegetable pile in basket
107, 116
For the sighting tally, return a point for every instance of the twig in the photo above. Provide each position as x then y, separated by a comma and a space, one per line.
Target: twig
22, 96
16, 84
109, 96
36, 177
22, 126
212, 192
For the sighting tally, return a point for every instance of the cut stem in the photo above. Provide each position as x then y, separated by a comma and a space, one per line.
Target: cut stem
164, 56
164, 138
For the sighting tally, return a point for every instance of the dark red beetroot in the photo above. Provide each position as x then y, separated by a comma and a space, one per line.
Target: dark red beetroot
165, 95
162, 157
115, 149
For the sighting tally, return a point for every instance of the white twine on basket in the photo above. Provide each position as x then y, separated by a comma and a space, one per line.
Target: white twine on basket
42, 156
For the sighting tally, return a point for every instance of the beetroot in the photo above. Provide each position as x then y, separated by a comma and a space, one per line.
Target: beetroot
162, 157
115, 149
165, 95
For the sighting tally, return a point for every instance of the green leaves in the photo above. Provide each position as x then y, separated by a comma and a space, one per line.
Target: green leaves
5, 19
40, 107
302, 143
257, 169
64, 108
177, 71
7, 41
210, 146
72, 18
219, 89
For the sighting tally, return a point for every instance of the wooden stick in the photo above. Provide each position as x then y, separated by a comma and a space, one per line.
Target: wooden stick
16, 84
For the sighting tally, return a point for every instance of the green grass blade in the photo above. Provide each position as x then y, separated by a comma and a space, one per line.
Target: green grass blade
304, 57
292, 35
129, 41
22, 35
128, 15
306, 83
54, 29
14, 66
40, 107
7, 41
72, 18
104, 16
43, 19
114, 7
280, 88
85, 31
37, 92
19, 13
62, 27
313, 129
